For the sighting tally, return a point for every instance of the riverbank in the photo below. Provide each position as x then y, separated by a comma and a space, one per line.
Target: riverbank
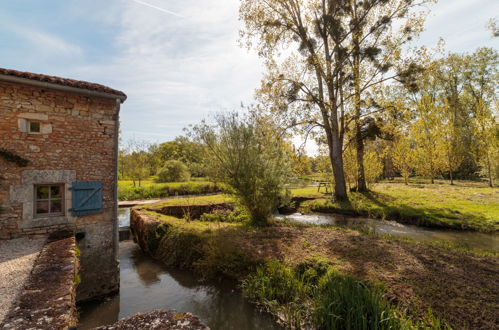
463, 206
458, 286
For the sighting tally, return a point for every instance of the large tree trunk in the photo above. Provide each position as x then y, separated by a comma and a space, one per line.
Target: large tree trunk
336, 157
359, 142
361, 177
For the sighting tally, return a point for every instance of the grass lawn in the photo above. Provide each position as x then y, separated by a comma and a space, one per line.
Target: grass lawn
465, 205
149, 189
459, 286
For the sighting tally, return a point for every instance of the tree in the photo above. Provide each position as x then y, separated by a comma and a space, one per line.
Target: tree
374, 48
183, 149
136, 160
310, 86
173, 171
402, 157
427, 136
247, 154
487, 130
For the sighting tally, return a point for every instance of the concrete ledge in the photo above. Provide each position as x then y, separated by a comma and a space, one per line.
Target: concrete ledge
164, 320
48, 300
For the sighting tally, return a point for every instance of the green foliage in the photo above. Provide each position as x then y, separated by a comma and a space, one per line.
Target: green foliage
344, 302
221, 257
247, 155
224, 216
313, 294
173, 171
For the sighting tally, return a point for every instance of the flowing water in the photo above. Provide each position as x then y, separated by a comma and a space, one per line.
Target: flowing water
146, 285
477, 240
124, 217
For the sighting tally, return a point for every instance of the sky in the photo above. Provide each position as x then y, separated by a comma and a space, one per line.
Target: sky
177, 60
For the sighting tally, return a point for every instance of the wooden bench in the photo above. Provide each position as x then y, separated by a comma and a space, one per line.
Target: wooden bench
325, 184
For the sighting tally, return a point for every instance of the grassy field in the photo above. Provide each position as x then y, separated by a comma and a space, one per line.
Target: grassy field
149, 189
456, 285
465, 205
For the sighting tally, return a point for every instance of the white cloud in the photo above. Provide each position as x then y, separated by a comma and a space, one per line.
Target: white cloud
174, 70
44, 43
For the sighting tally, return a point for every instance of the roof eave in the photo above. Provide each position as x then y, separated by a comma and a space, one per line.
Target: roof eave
64, 88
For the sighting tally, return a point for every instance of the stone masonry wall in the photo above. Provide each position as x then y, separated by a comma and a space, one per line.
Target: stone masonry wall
48, 299
76, 143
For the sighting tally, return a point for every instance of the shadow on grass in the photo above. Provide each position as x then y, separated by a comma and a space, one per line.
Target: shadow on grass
381, 205
458, 286
424, 216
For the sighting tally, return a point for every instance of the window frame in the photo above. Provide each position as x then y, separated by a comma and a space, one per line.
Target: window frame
39, 127
62, 188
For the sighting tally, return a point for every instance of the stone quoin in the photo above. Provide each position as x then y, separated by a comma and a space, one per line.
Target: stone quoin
58, 168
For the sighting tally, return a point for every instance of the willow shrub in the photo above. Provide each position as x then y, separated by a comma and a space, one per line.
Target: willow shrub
247, 155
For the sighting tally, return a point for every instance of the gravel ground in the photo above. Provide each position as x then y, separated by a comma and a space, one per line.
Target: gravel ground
17, 257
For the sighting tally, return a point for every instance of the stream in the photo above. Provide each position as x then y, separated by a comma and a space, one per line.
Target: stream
471, 239
146, 285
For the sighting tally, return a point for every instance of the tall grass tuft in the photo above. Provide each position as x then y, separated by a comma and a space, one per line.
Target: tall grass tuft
343, 302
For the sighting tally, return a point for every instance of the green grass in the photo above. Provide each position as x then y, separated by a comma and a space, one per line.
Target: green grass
314, 293
192, 200
151, 190
465, 205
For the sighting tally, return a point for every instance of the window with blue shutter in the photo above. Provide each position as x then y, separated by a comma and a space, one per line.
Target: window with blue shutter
86, 198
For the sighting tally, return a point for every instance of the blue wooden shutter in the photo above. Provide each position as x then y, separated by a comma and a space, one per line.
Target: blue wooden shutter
86, 198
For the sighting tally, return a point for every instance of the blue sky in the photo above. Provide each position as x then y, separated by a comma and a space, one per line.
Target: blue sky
177, 60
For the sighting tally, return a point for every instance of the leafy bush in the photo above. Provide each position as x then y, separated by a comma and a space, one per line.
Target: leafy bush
248, 156
224, 216
174, 171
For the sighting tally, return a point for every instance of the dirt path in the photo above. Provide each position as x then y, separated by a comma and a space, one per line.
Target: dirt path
17, 257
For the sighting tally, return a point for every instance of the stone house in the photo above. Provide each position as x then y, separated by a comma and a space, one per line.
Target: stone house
58, 168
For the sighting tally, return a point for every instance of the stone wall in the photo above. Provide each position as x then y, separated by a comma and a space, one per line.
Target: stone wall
76, 142
48, 300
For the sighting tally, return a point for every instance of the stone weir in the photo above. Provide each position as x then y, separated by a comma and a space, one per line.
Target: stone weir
48, 299
159, 319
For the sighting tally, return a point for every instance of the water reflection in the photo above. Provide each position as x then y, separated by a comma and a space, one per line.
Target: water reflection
483, 241
147, 285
